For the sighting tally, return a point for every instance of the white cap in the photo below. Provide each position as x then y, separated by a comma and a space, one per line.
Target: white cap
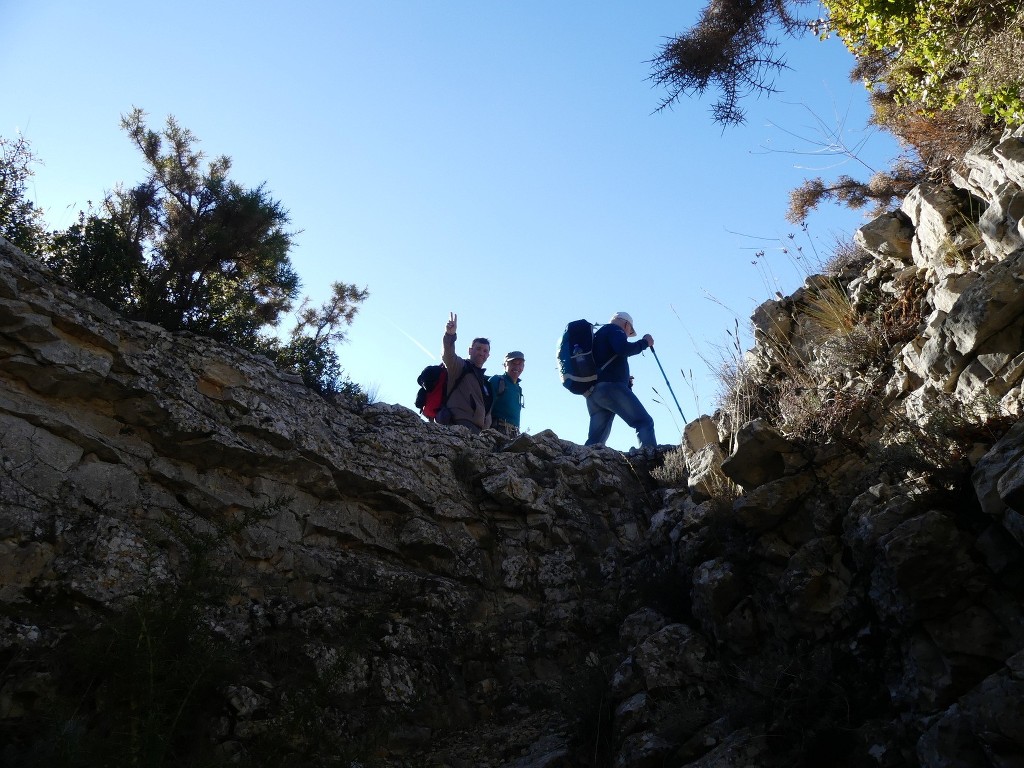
628, 318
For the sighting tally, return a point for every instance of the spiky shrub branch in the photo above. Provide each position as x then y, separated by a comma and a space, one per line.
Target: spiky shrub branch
730, 50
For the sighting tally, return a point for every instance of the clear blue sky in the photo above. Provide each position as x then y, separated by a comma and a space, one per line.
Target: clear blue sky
498, 160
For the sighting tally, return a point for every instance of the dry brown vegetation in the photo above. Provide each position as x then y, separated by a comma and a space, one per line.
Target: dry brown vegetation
827, 380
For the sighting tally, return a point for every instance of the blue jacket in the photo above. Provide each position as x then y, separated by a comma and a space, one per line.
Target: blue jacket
611, 340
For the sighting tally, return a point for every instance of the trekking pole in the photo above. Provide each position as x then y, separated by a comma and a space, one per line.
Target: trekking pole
667, 382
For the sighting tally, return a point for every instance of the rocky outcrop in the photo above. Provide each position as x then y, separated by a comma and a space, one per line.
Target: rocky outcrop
898, 546
441, 579
203, 560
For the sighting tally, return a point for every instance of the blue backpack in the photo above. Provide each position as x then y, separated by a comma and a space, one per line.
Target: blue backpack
576, 358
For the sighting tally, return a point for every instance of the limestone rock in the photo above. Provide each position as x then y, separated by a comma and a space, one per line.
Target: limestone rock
404, 594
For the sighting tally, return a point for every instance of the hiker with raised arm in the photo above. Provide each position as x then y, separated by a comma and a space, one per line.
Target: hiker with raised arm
612, 395
469, 397
508, 395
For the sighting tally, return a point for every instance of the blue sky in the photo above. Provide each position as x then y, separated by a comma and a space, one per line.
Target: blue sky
503, 161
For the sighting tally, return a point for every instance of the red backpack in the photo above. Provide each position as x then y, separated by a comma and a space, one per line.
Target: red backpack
433, 392
431, 395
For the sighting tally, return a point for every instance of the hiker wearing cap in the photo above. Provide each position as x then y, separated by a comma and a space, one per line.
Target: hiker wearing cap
613, 394
469, 393
508, 395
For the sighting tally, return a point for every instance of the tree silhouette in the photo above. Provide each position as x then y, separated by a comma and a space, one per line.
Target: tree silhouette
20, 220
187, 248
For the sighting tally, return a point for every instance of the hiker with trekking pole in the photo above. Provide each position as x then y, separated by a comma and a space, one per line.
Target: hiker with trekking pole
612, 395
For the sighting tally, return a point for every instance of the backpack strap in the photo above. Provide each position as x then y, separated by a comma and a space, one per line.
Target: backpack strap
608, 361
465, 371
485, 389
606, 364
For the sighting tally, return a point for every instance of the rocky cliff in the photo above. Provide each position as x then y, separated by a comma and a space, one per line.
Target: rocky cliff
202, 562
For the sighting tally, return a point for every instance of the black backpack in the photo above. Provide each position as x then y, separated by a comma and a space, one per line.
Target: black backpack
576, 358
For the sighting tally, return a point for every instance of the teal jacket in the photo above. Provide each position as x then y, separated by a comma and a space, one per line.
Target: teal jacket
508, 399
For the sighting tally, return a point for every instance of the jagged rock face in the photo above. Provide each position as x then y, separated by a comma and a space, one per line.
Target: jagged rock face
830, 568
280, 580
968, 247
954, 255
440, 579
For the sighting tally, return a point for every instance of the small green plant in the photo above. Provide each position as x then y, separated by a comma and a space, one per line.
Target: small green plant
997, 67
926, 53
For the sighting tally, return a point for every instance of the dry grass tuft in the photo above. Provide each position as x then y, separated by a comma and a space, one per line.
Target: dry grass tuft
672, 472
822, 376
829, 308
